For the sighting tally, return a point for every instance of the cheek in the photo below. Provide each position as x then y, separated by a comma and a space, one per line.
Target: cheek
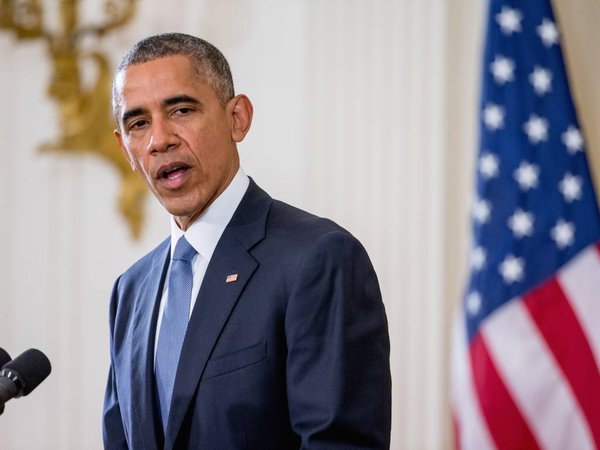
137, 153
139, 164
144, 171
212, 165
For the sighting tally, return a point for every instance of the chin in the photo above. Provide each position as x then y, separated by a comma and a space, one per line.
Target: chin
179, 210
176, 209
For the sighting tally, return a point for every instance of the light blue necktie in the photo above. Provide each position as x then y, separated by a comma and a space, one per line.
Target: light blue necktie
174, 323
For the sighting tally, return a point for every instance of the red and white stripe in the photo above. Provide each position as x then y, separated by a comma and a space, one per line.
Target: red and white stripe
531, 379
581, 282
471, 429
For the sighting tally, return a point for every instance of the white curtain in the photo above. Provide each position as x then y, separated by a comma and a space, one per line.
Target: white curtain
365, 112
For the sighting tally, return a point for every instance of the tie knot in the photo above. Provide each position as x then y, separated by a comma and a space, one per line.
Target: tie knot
183, 250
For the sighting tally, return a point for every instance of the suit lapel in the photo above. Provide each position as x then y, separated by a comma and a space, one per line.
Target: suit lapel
216, 300
142, 364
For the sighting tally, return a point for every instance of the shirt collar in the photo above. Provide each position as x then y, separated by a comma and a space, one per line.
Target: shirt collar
205, 232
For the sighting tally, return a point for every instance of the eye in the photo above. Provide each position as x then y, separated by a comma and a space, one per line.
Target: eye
183, 110
138, 124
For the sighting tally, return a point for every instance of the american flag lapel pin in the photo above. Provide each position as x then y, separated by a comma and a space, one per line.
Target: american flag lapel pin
231, 278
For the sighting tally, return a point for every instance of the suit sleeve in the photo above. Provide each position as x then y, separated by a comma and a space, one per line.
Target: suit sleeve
338, 373
113, 433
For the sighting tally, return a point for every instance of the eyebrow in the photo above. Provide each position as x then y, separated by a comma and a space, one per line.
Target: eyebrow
131, 113
183, 98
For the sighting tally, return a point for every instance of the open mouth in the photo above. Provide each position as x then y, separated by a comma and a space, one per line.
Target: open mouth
172, 172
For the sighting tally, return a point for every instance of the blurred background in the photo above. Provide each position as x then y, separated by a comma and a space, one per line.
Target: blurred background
365, 112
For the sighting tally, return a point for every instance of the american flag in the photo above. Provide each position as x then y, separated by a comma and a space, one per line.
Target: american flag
527, 342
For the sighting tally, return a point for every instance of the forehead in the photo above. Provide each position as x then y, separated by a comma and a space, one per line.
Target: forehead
171, 69
158, 79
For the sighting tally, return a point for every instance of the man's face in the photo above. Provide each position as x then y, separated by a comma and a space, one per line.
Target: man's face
178, 136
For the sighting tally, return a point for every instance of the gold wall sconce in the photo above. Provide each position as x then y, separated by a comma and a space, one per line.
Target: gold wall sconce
85, 118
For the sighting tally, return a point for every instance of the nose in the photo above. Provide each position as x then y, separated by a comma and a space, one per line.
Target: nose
163, 136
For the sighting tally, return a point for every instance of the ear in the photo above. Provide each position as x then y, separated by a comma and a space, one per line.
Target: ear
241, 113
126, 153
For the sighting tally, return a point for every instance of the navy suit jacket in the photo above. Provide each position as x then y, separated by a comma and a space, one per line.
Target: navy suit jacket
293, 354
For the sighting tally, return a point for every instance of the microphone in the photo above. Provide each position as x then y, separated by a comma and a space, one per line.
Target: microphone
4, 357
22, 375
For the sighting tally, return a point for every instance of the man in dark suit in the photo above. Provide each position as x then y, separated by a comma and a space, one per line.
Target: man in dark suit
254, 325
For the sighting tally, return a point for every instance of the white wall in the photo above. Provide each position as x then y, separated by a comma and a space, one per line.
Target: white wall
364, 112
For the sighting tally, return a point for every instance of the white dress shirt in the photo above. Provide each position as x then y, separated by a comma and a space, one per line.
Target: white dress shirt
203, 235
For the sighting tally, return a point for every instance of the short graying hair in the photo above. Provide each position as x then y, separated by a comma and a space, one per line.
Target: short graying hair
208, 61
